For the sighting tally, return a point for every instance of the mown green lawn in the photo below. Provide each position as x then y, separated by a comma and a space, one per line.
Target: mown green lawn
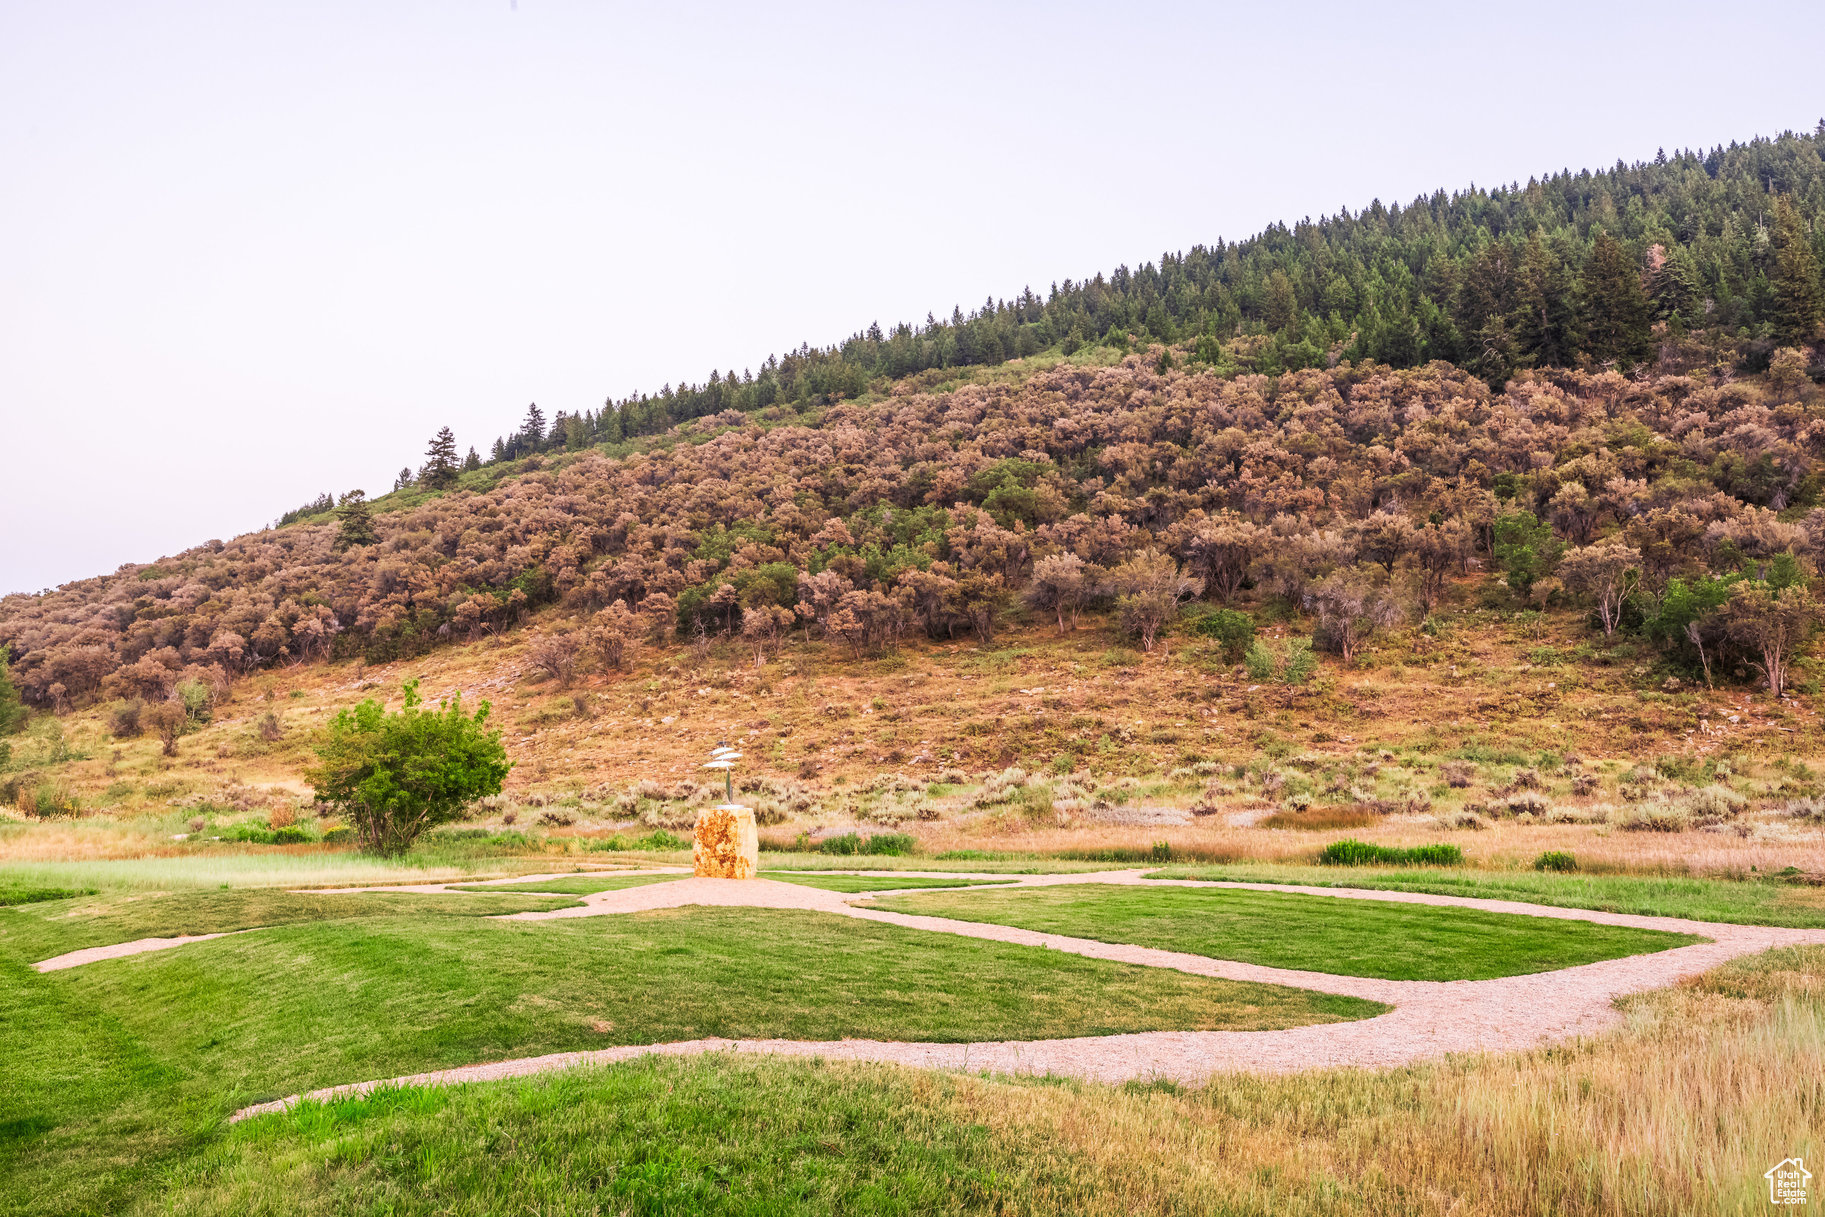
117, 1069
576, 885
872, 883
719, 1135
1766, 900
584, 885
39, 931
1310, 933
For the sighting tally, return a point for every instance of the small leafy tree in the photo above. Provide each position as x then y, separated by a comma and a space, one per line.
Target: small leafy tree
1059, 586
167, 720
1350, 605
1604, 572
1149, 591
1526, 549
613, 636
1438, 550
395, 775
1774, 623
1691, 611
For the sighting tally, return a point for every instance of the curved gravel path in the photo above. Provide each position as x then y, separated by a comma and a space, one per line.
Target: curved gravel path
120, 950
1428, 1019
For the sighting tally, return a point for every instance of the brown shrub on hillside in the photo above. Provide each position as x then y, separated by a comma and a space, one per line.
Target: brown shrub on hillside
929, 511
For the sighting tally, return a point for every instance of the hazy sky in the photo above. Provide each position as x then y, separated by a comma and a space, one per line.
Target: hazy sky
251, 252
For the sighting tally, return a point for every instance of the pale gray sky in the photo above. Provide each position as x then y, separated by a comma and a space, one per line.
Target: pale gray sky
250, 252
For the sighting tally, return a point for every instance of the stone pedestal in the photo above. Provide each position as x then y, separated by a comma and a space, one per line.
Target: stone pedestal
726, 845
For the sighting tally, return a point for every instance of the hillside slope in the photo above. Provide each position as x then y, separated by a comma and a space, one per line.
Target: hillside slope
1134, 570
927, 510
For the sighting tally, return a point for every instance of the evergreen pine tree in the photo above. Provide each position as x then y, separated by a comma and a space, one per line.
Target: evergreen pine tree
1545, 323
1799, 303
608, 426
1279, 303
532, 431
355, 521
472, 462
1674, 289
404, 479
1615, 305
440, 468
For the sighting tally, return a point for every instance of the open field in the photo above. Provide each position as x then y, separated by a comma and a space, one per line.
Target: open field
1769, 901
241, 868
875, 883
1678, 1112
116, 1067
1038, 754
1307, 933
581, 885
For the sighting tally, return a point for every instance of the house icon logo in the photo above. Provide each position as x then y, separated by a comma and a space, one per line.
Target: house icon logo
1787, 1182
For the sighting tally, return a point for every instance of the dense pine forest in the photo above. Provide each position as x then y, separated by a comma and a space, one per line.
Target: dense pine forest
1576, 269
1598, 388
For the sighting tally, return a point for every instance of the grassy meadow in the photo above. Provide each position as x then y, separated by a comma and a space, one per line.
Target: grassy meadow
119, 1070
1511, 735
1679, 1112
1308, 933
1770, 900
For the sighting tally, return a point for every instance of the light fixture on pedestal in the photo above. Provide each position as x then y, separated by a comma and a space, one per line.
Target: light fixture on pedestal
725, 844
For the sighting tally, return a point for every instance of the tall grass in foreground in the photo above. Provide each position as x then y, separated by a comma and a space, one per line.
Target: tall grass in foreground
1678, 1112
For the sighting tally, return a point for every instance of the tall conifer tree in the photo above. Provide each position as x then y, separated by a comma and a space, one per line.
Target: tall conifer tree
1799, 303
1615, 305
440, 465
1545, 321
355, 521
532, 431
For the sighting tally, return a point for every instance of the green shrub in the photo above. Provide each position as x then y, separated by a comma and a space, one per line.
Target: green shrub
661, 839
1557, 860
886, 844
47, 798
1235, 630
339, 835
291, 834
396, 775
198, 702
1289, 662
1351, 852
34, 895
249, 832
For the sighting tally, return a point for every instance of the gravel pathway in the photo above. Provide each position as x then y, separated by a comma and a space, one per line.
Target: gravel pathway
138, 946
1428, 1019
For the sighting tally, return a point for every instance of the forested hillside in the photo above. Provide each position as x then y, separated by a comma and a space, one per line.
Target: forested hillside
1308, 416
1568, 270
